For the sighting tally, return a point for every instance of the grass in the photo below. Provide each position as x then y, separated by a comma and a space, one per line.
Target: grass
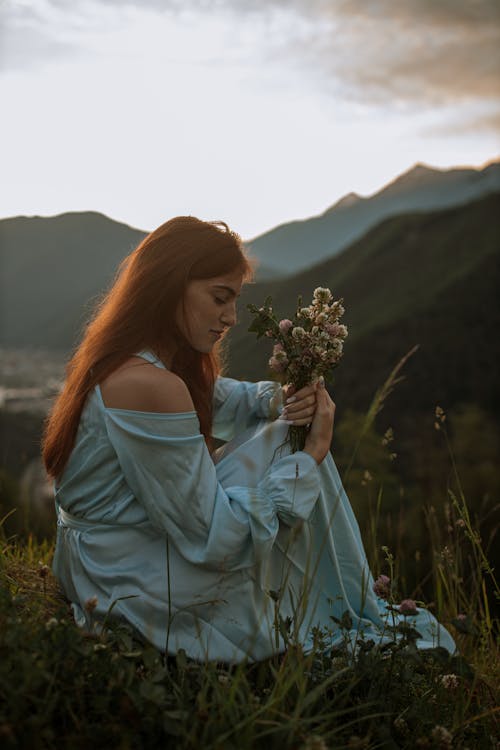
61, 687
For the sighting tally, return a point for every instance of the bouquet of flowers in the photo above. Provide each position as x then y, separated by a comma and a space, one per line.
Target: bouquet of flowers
308, 346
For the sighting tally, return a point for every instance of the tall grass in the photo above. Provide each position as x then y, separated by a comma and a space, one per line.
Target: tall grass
61, 687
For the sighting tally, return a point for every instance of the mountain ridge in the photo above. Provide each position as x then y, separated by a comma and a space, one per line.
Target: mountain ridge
422, 188
406, 271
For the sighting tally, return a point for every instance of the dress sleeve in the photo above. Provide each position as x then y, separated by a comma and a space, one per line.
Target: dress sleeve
238, 404
167, 466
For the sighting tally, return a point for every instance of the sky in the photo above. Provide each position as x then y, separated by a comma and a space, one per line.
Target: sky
255, 113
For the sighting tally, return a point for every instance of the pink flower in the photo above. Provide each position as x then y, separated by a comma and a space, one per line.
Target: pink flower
269, 334
408, 607
278, 348
336, 330
285, 325
382, 587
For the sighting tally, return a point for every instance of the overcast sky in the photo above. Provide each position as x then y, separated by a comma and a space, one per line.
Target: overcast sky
251, 112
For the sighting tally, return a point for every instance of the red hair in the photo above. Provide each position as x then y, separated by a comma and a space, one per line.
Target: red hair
138, 313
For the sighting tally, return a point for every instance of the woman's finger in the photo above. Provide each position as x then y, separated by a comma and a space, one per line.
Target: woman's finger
292, 395
297, 406
304, 416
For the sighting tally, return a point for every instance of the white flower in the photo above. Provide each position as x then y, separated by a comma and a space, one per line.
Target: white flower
449, 681
298, 332
337, 310
321, 318
305, 312
322, 294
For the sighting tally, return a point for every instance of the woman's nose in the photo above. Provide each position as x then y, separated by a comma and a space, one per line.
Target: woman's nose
229, 316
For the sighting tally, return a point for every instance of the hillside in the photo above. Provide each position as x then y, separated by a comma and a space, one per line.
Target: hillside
51, 270
428, 279
282, 250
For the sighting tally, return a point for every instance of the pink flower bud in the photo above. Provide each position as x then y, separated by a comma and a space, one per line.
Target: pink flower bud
408, 607
382, 587
285, 325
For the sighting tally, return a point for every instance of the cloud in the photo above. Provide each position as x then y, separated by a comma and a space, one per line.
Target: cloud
402, 53
416, 50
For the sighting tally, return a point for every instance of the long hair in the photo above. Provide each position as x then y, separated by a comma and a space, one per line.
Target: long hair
138, 313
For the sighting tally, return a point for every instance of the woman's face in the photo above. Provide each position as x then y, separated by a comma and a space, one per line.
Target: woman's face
209, 309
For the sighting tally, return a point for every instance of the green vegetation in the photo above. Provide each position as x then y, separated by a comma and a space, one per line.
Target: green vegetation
61, 687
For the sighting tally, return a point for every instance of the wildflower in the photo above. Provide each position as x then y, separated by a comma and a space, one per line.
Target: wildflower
269, 333
337, 310
338, 662
285, 325
278, 365
382, 587
450, 681
298, 332
321, 318
408, 607
305, 312
367, 477
388, 436
91, 604
50, 624
278, 348
442, 737
322, 295
440, 415
336, 330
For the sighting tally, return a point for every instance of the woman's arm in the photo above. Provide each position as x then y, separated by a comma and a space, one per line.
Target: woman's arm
239, 404
167, 466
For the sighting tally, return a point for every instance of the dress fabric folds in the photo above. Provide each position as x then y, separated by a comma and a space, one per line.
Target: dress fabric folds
206, 556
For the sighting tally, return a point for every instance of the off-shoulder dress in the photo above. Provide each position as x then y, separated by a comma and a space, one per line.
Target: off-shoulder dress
206, 556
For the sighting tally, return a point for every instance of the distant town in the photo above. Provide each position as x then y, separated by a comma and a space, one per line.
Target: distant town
29, 379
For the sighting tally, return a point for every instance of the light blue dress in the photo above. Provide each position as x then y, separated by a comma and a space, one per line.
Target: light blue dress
208, 557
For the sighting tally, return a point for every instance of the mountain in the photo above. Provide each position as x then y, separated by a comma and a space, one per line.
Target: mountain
297, 245
430, 279
51, 271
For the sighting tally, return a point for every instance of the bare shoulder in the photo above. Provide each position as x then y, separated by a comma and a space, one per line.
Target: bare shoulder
140, 386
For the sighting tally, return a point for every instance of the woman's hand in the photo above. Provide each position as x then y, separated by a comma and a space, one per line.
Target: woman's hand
299, 406
319, 437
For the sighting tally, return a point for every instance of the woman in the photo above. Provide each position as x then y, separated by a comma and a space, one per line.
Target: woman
195, 555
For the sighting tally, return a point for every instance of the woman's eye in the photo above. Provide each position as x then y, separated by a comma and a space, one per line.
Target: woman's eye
220, 301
